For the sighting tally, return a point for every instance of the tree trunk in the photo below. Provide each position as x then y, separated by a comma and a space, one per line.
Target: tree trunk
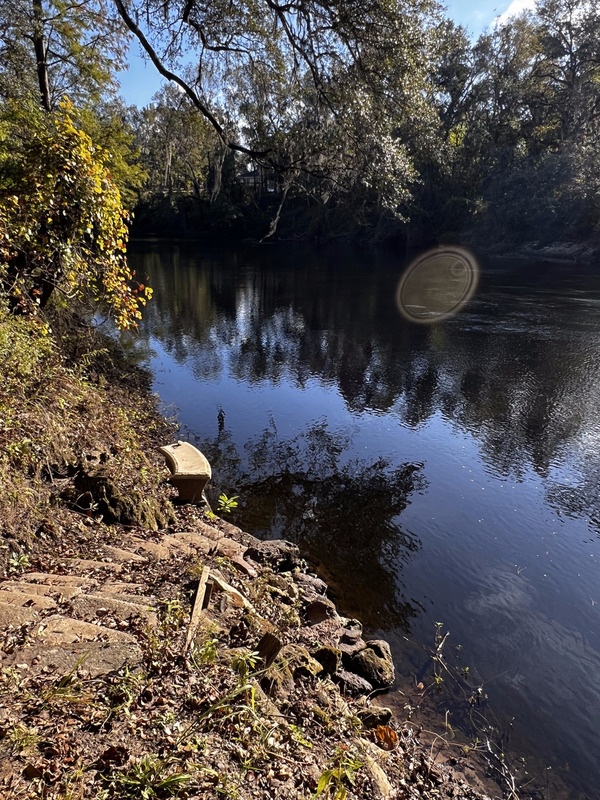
217, 173
40, 45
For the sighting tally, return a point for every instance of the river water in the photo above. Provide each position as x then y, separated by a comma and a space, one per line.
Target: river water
444, 478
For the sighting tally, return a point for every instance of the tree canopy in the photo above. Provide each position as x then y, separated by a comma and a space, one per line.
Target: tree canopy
325, 93
381, 113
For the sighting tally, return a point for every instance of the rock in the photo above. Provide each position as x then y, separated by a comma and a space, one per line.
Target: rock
375, 664
300, 661
148, 548
57, 630
374, 716
13, 616
330, 658
352, 684
202, 528
120, 556
96, 566
277, 681
285, 584
98, 605
16, 599
352, 630
281, 555
90, 658
60, 592
319, 610
243, 566
237, 597
228, 548
374, 758
52, 579
350, 650
96, 488
308, 583
292, 663
179, 547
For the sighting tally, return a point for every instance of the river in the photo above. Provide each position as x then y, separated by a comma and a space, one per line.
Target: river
444, 477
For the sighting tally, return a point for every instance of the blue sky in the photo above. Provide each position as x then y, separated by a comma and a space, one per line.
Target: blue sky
141, 80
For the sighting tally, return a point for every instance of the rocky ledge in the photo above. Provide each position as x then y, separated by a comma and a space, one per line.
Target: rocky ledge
194, 662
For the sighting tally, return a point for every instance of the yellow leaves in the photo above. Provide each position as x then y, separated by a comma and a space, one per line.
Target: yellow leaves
83, 243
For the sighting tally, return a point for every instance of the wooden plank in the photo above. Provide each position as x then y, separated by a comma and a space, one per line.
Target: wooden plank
268, 648
199, 606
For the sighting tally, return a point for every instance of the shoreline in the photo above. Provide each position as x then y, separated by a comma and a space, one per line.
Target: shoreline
93, 650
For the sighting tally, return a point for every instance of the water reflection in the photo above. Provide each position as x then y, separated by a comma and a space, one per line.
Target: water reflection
528, 394
455, 463
345, 514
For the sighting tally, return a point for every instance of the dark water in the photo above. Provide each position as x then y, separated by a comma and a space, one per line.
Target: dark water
434, 473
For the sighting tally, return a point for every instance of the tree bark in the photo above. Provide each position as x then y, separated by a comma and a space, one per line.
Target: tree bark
40, 46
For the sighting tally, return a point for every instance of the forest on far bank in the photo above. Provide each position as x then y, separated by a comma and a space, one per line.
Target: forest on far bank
310, 118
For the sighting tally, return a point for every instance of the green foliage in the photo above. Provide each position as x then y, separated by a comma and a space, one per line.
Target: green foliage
62, 225
244, 663
150, 777
227, 504
18, 563
110, 127
83, 45
342, 771
205, 653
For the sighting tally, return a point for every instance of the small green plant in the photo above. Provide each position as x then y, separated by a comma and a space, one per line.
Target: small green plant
148, 778
205, 653
18, 563
227, 504
172, 615
245, 663
68, 687
343, 768
298, 736
125, 691
223, 785
22, 738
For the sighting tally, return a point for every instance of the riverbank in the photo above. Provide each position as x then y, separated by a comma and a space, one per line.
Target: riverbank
111, 685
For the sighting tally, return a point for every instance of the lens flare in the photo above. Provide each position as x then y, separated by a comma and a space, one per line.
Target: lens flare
437, 284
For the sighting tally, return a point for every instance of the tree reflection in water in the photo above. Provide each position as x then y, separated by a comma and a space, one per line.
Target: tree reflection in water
343, 512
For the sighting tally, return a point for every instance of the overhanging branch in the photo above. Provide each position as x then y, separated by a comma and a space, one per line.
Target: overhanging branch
188, 90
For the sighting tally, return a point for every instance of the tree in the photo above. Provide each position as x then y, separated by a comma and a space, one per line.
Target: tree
569, 69
51, 48
63, 229
112, 128
176, 144
331, 88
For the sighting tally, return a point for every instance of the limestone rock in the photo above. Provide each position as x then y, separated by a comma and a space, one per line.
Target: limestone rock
330, 658
281, 555
300, 661
91, 658
145, 547
352, 684
25, 599
375, 760
319, 610
375, 664
373, 716
309, 584
13, 616
120, 556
